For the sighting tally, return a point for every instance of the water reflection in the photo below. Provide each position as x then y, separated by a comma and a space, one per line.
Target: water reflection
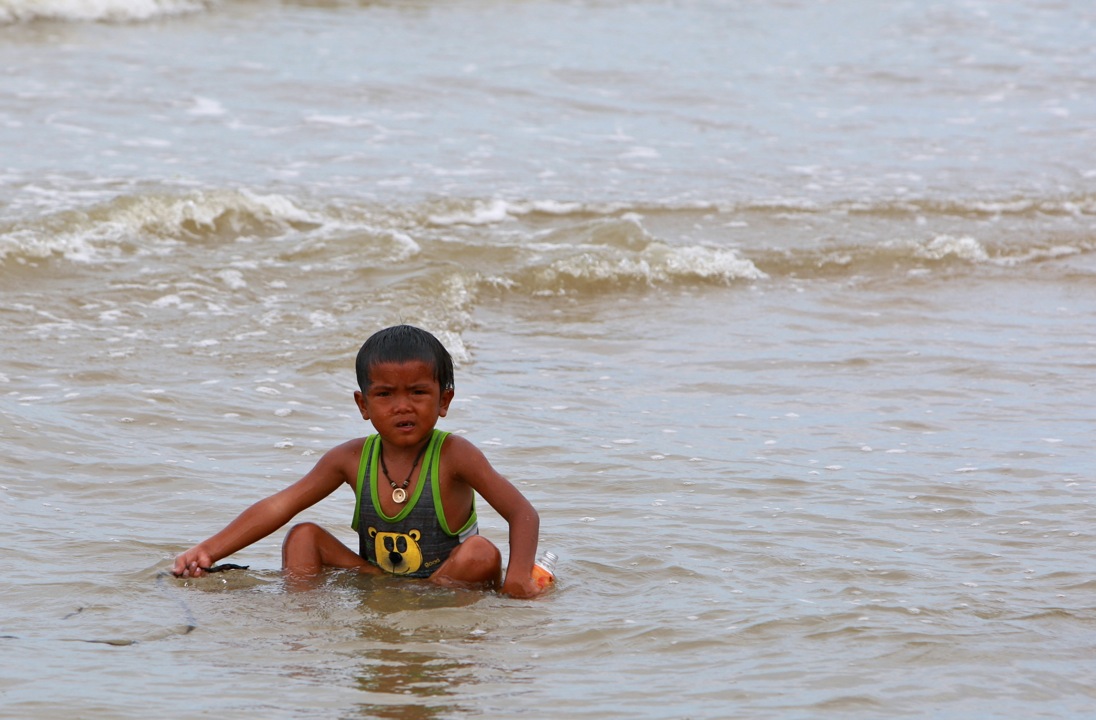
426, 683
419, 651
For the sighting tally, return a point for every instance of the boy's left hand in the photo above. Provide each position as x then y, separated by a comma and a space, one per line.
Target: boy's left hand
521, 590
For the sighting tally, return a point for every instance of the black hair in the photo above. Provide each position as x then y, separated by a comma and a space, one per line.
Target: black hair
400, 344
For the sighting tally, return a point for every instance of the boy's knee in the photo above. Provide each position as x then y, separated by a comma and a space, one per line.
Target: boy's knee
483, 550
475, 563
481, 561
302, 532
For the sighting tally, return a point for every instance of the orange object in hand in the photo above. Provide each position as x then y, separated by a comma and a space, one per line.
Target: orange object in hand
544, 570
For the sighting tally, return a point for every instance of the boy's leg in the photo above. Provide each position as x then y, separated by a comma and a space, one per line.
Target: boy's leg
475, 563
308, 549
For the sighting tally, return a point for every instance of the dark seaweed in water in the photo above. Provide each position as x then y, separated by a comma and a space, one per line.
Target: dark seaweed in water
191, 621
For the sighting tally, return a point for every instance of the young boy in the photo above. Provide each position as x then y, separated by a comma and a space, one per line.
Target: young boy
414, 524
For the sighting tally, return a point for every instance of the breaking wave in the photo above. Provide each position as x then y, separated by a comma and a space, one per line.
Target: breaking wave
145, 223
12, 11
546, 248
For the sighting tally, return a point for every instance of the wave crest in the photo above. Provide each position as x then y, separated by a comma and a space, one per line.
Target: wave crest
543, 248
656, 264
126, 224
12, 11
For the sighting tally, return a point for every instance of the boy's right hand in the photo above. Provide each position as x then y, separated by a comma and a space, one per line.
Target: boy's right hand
192, 563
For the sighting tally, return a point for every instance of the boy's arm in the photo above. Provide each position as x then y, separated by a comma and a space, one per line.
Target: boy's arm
474, 469
268, 514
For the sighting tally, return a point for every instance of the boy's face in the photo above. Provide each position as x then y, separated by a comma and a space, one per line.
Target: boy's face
403, 401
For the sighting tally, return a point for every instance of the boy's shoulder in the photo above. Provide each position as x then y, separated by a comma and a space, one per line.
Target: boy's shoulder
352, 445
457, 444
458, 452
349, 451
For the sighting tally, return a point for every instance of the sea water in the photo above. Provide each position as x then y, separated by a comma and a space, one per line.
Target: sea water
781, 314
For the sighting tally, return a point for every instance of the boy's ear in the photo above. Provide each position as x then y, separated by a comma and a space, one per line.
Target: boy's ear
359, 400
446, 398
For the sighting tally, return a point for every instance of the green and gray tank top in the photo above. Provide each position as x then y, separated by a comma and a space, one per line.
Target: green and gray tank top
417, 540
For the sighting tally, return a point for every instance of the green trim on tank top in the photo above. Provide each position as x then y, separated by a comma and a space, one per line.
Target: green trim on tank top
370, 458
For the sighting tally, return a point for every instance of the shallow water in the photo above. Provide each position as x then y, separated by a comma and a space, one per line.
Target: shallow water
780, 315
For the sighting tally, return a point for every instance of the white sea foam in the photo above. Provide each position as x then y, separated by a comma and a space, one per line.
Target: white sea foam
708, 263
656, 264
96, 10
172, 300
496, 210
348, 121
639, 153
404, 246
32, 243
98, 234
234, 279
206, 107
1036, 254
552, 207
481, 213
322, 319
965, 248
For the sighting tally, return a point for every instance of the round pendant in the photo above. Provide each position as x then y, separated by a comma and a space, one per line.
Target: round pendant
399, 495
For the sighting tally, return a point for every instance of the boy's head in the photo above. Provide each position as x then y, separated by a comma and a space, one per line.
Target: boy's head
400, 344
